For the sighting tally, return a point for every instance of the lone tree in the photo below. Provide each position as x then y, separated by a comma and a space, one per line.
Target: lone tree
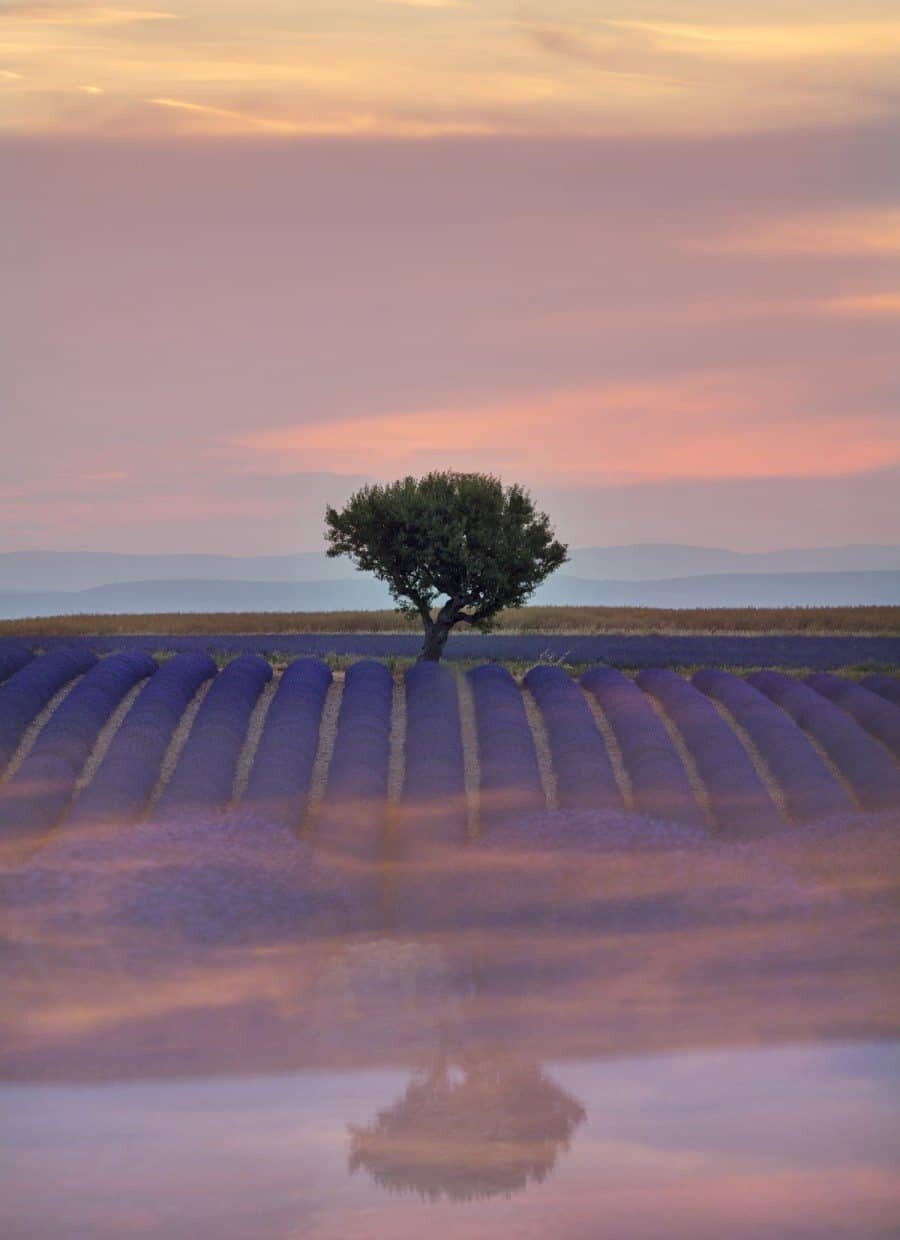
465, 537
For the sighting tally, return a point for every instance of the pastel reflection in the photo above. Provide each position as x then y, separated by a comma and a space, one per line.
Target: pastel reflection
786, 1141
214, 1027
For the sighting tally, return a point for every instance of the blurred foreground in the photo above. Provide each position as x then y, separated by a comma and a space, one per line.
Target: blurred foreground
585, 1025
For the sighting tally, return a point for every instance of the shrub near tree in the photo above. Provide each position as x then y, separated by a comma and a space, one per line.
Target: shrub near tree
460, 537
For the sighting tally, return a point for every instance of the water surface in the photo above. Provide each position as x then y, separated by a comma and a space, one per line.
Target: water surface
607, 1027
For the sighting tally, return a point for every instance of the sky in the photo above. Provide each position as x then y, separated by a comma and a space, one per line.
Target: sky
643, 258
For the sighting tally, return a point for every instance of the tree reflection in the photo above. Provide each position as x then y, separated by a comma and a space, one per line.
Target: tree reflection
473, 1126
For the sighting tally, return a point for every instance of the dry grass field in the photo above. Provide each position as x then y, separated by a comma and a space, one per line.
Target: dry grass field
559, 620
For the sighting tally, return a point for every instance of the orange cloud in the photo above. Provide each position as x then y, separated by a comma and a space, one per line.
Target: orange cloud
771, 42
214, 120
450, 59
700, 427
827, 233
79, 15
248, 121
865, 305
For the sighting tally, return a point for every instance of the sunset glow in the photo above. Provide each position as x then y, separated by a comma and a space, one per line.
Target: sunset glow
712, 431
255, 248
424, 65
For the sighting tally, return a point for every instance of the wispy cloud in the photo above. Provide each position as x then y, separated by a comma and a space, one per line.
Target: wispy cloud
771, 42
250, 121
425, 4
864, 305
569, 43
363, 66
703, 426
829, 233
617, 53
230, 120
595, 45
78, 15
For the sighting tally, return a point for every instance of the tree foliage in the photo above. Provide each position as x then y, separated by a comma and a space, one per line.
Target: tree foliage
462, 537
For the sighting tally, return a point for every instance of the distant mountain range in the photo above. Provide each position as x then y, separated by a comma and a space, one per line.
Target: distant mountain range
649, 574
83, 570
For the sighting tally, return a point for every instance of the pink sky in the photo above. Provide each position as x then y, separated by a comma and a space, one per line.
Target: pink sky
674, 314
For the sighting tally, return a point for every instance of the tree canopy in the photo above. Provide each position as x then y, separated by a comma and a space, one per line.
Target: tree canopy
459, 536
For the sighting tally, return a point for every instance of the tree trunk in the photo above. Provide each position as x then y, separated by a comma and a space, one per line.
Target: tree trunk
435, 641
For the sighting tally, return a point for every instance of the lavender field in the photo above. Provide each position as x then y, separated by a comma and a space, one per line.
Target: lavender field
472, 927
87, 738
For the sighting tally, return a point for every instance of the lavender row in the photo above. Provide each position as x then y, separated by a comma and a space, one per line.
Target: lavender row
36, 796
433, 802
659, 783
885, 686
359, 763
434, 752
871, 773
355, 805
27, 692
282, 768
809, 787
880, 719
13, 658
124, 781
510, 778
431, 822
739, 799
584, 773
615, 650
206, 767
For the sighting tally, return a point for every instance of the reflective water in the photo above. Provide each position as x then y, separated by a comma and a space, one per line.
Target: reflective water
588, 1027
790, 1141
